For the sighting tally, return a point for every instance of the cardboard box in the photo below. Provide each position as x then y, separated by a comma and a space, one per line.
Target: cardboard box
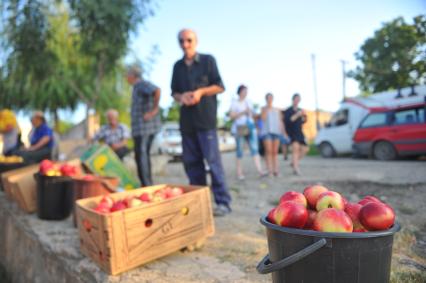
126, 239
102, 160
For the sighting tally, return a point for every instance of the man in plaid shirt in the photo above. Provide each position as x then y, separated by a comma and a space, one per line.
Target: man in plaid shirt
114, 134
145, 120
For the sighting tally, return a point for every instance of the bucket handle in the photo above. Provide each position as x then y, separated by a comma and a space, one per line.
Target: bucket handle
266, 266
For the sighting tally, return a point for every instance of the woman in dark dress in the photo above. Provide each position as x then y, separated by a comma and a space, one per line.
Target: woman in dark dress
294, 119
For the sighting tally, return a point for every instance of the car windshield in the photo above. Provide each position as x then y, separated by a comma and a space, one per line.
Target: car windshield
171, 132
339, 118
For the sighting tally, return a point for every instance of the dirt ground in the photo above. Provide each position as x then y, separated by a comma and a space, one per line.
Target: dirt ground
240, 239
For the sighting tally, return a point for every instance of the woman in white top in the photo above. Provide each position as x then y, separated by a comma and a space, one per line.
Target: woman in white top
272, 129
243, 129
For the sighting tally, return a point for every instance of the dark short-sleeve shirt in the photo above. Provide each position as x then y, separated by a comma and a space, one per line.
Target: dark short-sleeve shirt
143, 102
40, 132
202, 72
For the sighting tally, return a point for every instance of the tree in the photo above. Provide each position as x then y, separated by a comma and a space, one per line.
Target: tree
60, 53
394, 57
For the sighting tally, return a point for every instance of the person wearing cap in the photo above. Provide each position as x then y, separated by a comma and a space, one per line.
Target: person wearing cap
195, 84
146, 122
114, 134
41, 140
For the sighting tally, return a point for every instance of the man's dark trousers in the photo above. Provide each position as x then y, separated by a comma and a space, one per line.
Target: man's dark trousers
143, 161
202, 145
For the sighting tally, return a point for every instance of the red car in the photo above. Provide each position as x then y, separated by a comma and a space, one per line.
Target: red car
386, 133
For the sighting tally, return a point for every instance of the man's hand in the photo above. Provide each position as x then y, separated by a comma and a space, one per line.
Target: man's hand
195, 97
149, 115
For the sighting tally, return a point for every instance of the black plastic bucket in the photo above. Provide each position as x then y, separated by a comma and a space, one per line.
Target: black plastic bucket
54, 197
307, 256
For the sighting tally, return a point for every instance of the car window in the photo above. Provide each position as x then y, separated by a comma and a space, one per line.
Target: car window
421, 115
339, 118
408, 116
374, 120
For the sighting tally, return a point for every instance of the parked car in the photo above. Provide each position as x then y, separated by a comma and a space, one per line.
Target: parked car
168, 141
388, 133
336, 137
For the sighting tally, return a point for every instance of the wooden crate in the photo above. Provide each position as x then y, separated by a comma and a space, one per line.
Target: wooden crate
6, 178
125, 239
21, 185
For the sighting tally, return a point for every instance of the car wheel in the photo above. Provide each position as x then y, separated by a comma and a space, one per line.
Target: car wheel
327, 150
384, 150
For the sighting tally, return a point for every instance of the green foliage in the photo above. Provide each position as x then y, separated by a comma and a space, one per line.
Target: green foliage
173, 113
64, 52
394, 57
64, 126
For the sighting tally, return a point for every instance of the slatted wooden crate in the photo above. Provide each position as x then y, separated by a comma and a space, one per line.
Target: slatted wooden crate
13, 175
125, 239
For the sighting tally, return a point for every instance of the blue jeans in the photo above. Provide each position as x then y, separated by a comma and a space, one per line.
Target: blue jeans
197, 147
252, 142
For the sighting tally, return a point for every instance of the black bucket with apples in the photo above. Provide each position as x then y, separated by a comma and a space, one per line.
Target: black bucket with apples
55, 196
320, 237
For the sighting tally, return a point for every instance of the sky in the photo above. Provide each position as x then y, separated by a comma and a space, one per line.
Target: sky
267, 45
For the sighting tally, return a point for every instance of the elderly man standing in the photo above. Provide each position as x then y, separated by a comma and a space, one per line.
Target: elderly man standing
114, 134
145, 120
195, 83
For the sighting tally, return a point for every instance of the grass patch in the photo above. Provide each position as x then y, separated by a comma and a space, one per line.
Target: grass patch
313, 150
408, 277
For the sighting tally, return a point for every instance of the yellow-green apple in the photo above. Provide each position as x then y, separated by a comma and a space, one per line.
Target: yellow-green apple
291, 214
369, 199
333, 220
376, 216
294, 196
330, 199
135, 202
352, 209
312, 214
312, 193
271, 215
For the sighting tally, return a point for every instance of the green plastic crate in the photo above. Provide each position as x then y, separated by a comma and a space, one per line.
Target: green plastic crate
102, 160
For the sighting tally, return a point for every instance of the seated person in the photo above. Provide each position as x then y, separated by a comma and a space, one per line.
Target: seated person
10, 132
41, 140
114, 134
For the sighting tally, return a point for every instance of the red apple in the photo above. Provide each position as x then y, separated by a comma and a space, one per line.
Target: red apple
102, 208
352, 209
68, 170
369, 199
45, 165
88, 177
174, 192
159, 195
312, 214
330, 199
294, 196
376, 216
271, 215
107, 200
312, 193
291, 214
145, 197
333, 220
119, 205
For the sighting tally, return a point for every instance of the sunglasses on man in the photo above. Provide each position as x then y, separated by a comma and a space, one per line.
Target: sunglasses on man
182, 40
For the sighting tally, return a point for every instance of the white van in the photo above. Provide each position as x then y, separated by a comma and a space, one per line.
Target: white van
336, 137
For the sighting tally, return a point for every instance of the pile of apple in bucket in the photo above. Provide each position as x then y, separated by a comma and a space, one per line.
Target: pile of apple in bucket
323, 210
